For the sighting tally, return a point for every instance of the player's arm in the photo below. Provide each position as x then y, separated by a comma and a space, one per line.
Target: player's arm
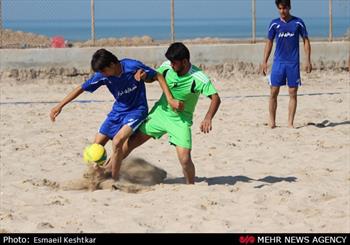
307, 48
267, 52
71, 96
175, 104
140, 74
206, 124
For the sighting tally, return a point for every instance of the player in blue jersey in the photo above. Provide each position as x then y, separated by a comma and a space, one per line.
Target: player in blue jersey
123, 80
285, 69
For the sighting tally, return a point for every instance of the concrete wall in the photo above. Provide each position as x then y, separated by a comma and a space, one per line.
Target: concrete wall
207, 54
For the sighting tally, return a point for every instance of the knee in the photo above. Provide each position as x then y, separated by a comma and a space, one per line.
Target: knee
293, 95
273, 96
117, 144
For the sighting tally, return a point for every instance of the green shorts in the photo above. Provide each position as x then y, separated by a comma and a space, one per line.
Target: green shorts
159, 123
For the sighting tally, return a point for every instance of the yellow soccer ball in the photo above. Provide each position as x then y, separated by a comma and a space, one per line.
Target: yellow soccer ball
95, 153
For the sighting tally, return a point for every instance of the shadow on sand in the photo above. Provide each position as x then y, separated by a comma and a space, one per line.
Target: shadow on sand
232, 180
326, 124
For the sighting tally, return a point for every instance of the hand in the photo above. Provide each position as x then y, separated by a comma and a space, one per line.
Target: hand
264, 68
54, 113
140, 75
206, 126
177, 105
308, 67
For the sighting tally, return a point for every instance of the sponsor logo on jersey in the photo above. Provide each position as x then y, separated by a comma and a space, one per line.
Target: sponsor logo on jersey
127, 91
286, 34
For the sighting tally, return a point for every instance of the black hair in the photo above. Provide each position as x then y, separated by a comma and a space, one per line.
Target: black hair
177, 51
285, 3
101, 59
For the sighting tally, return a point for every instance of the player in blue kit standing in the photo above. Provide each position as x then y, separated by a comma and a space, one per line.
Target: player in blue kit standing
286, 65
123, 80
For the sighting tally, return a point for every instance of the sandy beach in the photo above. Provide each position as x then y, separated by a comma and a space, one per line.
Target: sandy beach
249, 178
20, 39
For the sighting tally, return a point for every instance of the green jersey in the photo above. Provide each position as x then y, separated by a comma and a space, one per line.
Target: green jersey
186, 88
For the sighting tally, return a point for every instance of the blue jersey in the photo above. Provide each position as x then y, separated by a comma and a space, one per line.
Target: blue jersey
287, 38
129, 93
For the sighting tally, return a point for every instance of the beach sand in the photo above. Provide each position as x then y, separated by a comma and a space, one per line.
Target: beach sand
249, 178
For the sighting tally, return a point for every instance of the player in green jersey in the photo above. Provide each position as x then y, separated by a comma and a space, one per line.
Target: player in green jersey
186, 82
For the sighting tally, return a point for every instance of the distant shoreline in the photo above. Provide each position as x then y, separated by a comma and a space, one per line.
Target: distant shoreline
20, 39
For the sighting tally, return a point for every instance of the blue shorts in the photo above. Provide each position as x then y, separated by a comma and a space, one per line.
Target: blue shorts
115, 121
284, 72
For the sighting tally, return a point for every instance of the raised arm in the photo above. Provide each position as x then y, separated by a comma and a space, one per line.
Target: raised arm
267, 52
307, 49
206, 124
71, 96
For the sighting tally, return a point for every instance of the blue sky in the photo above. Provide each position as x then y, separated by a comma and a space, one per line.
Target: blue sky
160, 9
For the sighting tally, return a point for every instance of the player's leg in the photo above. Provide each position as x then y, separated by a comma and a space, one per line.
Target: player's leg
152, 127
187, 165
119, 127
277, 79
274, 91
294, 81
117, 146
101, 139
292, 106
180, 135
134, 141
108, 129
130, 121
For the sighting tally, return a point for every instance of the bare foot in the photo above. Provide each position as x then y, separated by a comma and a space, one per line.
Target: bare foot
107, 166
102, 171
291, 126
272, 125
98, 169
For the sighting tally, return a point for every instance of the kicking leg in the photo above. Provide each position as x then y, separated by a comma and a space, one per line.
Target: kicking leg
101, 139
117, 145
129, 145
